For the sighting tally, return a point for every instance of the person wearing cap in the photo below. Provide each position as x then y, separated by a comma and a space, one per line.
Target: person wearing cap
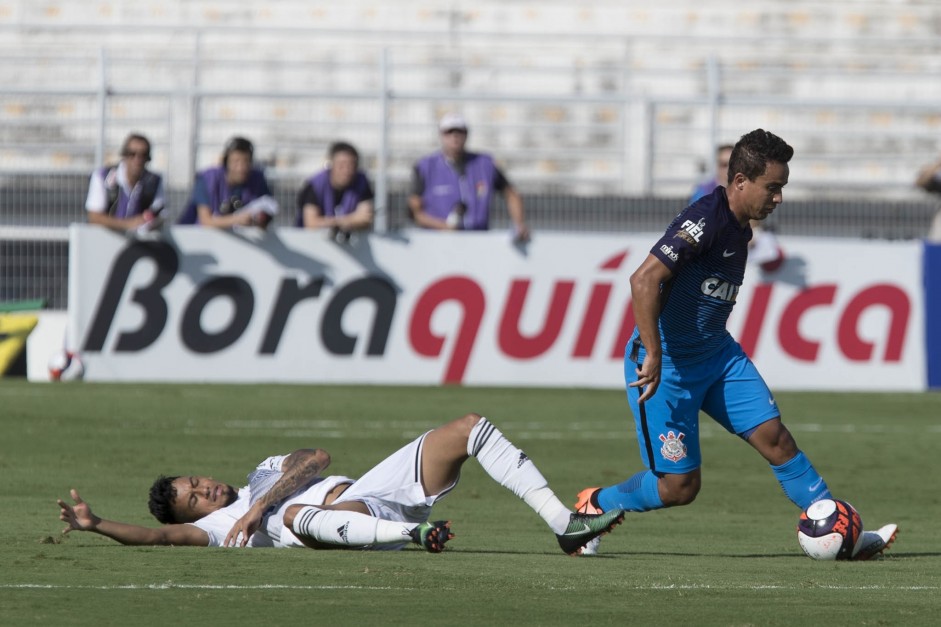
127, 195
452, 188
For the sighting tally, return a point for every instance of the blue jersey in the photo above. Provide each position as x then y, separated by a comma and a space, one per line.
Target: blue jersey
706, 248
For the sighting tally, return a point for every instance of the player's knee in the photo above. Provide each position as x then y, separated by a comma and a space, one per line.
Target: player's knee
467, 422
289, 515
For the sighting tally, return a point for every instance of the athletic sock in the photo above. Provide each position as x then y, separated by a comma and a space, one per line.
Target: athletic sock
801, 481
511, 468
638, 494
347, 528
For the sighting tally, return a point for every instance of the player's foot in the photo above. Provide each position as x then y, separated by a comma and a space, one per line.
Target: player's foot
586, 503
432, 535
873, 543
583, 528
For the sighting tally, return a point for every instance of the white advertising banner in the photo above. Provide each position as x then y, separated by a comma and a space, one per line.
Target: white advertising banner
194, 304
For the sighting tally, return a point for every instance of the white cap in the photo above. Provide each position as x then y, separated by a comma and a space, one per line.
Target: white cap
452, 121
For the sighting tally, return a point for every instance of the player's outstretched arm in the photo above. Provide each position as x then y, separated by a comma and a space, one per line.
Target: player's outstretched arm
299, 468
79, 517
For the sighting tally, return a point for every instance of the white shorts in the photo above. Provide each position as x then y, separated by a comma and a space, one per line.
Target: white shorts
392, 489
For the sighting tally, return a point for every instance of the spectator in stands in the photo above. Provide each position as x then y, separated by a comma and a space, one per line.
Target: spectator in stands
929, 179
127, 195
720, 177
339, 197
452, 188
235, 193
763, 249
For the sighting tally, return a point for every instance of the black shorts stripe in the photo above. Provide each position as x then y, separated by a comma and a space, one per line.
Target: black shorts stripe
643, 427
417, 464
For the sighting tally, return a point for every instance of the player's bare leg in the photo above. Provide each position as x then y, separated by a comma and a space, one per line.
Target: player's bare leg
446, 448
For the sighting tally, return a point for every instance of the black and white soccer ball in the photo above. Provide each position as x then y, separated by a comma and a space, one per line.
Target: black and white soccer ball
829, 529
66, 365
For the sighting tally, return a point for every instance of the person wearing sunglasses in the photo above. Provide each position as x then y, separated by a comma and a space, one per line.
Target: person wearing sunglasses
126, 195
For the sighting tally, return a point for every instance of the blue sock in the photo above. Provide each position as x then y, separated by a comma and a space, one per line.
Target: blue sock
800, 481
637, 494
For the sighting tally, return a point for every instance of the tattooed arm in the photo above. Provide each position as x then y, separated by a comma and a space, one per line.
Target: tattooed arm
299, 468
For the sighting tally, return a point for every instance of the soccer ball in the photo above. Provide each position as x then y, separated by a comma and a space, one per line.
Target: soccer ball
829, 529
66, 366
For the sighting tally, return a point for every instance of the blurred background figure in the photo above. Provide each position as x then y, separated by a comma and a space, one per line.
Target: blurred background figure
452, 189
231, 194
721, 176
339, 197
929, 179
127, 195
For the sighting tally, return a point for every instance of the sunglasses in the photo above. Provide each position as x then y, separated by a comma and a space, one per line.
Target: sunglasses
133, 153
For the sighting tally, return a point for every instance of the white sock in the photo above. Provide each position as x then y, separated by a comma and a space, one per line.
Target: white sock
345, 528
511, 468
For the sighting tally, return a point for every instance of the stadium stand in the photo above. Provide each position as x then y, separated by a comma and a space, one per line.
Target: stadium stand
601, 113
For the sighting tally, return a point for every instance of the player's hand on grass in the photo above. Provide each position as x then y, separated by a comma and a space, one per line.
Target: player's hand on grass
648, 377
247, 525
79, 516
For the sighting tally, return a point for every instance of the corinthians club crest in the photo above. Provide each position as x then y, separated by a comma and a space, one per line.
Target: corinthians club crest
673, 448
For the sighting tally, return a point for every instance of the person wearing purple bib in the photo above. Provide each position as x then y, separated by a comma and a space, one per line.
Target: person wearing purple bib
338, 197
126, 195
452, 188
233, 194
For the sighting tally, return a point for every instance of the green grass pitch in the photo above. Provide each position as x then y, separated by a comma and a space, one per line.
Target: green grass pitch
730, 558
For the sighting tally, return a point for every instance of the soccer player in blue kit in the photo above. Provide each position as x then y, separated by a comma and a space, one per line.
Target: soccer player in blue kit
681, 359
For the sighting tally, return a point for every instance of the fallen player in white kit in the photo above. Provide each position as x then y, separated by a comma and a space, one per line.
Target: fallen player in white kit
288, 504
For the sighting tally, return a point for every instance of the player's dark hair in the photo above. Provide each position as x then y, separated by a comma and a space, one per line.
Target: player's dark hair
237, 144
126, 146
338, 147
754, 151
162, 494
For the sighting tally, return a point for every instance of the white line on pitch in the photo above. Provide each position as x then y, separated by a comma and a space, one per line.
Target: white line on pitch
185, 586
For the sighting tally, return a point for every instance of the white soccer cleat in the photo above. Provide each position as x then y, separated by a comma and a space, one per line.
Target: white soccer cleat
873, 543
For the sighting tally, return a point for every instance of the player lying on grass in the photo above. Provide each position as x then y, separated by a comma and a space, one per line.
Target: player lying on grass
681, 358
287, 504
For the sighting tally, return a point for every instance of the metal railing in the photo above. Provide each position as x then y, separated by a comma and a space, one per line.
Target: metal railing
606, 131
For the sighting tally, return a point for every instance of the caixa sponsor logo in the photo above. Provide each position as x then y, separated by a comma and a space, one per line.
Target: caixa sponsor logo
717, 288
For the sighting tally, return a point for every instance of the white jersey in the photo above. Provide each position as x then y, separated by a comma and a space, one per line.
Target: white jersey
218, 524
391, 490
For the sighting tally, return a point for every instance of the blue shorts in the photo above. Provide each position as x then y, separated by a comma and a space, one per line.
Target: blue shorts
726, 386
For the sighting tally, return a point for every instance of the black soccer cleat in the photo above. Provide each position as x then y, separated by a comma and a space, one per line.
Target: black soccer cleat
583, 528
432, 535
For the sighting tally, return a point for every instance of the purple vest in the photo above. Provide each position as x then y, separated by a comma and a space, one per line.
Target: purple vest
352, 195
120, 205
255, 187
444, 188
